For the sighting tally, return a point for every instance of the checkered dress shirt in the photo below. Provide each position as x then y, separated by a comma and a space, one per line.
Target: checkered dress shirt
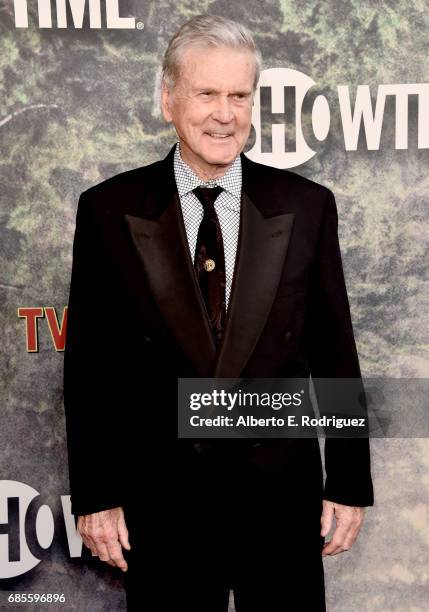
227, 207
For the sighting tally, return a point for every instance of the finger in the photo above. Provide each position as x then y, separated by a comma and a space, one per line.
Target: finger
338, 543
115, 552
123, 534
326, 519
335, 545
331, 548
336, 548
103, 552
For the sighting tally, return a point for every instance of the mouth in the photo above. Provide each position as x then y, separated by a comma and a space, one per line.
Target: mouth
218, 136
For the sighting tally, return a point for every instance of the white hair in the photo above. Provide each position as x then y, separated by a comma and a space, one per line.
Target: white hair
209, 31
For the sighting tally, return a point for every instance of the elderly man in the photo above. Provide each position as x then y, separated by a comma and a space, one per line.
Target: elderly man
206, 264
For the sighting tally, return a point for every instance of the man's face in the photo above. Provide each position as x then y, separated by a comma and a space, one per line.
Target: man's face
211, 106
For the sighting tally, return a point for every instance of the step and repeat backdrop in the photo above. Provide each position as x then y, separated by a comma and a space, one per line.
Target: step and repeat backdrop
343, 99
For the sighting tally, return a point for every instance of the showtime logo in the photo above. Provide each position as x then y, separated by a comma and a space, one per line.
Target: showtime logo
27, 528
280, 140
78, 10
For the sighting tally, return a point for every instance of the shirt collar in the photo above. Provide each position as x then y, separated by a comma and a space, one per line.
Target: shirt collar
187, 180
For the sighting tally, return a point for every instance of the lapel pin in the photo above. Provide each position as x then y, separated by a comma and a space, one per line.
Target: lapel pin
209, 265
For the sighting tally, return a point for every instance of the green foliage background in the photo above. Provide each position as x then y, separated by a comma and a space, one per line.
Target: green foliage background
78, 106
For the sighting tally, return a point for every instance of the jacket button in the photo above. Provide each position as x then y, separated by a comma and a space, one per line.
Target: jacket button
287, 336
147, 339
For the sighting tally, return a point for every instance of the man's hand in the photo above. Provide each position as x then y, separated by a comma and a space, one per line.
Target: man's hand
348, 521
104, 533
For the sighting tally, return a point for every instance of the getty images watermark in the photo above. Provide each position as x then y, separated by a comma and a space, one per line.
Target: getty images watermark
302, 407
255, 400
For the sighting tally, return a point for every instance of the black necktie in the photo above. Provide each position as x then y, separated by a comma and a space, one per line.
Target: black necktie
209, 261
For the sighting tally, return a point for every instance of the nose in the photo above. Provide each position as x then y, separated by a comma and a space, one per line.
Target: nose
223, 112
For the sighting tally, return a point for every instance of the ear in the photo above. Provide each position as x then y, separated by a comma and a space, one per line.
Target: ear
165, 103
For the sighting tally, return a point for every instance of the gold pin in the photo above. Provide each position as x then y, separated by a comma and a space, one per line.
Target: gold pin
209, 265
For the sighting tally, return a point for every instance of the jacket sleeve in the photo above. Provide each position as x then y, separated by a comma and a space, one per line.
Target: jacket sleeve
89, 402
333, 355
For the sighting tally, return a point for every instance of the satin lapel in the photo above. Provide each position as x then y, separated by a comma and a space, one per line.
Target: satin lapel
260, 256
159, 235
163, 249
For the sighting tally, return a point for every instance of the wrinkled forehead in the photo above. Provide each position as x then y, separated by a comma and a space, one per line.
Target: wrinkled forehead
216, 67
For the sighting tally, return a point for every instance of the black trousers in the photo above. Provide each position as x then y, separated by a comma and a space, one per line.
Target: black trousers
224, 524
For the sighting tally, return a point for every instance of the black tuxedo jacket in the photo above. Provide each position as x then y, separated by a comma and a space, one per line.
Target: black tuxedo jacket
136, 322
